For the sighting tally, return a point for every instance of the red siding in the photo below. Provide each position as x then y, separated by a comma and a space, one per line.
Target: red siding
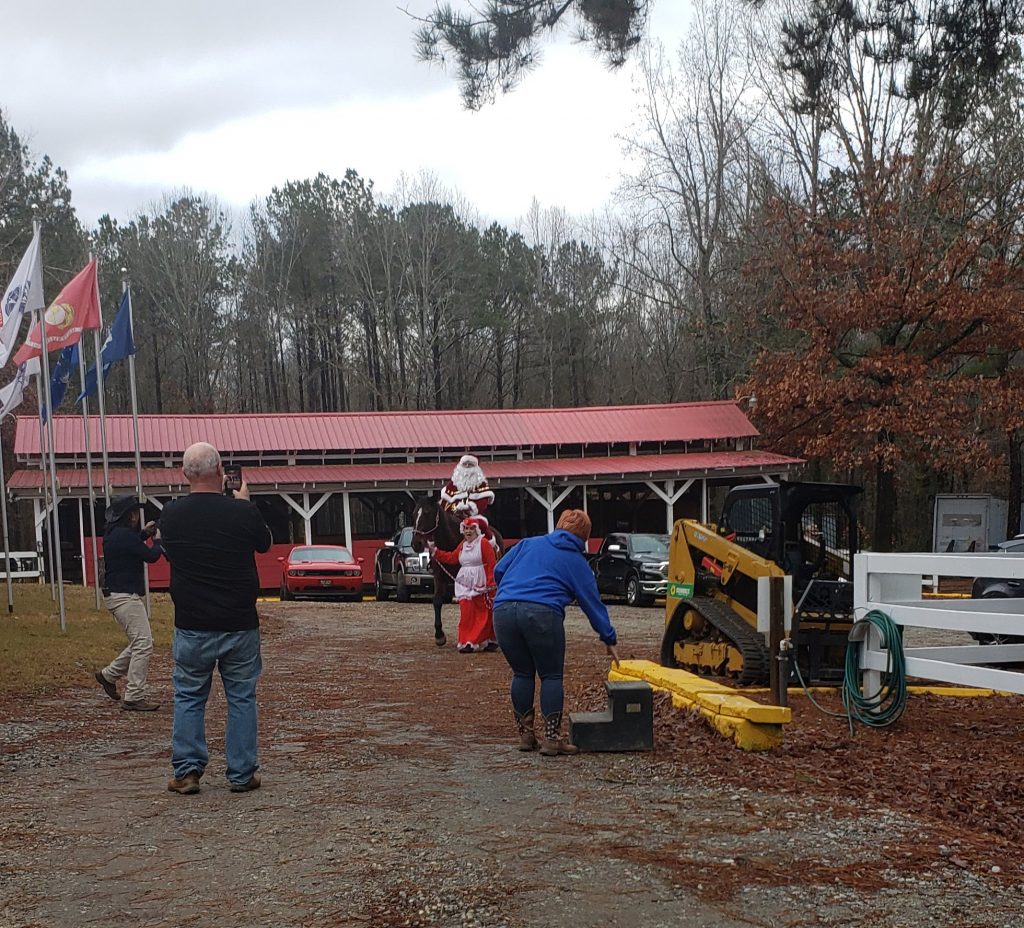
269, 567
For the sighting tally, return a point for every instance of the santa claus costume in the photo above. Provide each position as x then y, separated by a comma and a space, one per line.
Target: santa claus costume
474, 585
467, 492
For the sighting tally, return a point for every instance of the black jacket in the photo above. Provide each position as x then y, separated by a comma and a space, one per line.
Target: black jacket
124, 554
211, 542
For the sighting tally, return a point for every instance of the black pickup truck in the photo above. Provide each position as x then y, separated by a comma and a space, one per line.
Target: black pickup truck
400, 570
632, 565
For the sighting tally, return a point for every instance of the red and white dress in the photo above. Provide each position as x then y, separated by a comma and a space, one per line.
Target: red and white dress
474, 590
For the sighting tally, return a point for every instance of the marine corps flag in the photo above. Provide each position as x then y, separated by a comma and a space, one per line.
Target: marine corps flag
75, 310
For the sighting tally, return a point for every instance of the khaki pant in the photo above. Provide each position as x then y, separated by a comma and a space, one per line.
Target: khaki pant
130, 612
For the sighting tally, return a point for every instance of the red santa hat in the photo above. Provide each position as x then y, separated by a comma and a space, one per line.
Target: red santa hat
483, 526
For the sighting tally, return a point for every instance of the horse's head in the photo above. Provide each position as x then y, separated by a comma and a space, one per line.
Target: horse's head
425, 519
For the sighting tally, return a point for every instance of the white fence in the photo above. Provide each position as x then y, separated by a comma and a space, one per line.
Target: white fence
25, 565
891, 583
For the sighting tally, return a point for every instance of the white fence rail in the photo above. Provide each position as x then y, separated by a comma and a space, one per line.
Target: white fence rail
24, 565
891, 583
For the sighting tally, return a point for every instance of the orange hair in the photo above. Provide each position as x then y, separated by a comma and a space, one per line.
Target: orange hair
575, 521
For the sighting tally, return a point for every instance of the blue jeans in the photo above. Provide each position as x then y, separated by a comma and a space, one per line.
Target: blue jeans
237, 656
532, 638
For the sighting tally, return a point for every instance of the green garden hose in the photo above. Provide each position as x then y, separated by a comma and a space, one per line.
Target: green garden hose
876, 710
881, 709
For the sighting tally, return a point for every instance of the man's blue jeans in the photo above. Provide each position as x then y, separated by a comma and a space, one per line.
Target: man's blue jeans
237, 656
532, 638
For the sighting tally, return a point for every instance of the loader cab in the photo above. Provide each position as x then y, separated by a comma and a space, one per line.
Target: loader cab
808, 529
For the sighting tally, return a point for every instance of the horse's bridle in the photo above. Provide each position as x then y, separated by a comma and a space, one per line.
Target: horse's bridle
427, 534
430, 531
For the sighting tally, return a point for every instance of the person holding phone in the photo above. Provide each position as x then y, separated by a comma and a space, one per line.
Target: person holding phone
211, 537
232, 479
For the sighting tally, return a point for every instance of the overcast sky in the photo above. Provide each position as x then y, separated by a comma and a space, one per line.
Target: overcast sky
233, 97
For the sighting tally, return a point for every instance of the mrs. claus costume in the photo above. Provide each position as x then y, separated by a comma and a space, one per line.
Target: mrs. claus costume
474, 587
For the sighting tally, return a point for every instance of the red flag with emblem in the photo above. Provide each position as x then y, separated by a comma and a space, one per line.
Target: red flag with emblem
76, 309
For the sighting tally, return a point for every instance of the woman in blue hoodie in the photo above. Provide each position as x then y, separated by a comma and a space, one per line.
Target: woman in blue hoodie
536, 580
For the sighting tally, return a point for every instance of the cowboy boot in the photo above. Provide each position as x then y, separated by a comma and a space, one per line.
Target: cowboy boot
527, 739
553, 743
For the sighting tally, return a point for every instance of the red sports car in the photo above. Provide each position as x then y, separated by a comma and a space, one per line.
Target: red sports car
321, 570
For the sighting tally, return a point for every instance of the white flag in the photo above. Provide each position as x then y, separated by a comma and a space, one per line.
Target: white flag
23, 295
12, 395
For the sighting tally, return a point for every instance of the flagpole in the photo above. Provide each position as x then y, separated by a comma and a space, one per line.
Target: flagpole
88, 470
44, 466
99, 392
7, 537
126, 288
44, 361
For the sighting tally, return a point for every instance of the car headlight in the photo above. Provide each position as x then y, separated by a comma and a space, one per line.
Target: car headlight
296, 573
413, 562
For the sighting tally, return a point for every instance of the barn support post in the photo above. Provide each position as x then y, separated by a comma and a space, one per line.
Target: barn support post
37, 521
81, 544
306, 511
347, 507
550, 502
669, 496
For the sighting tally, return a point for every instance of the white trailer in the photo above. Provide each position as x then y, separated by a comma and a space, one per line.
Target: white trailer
968, 522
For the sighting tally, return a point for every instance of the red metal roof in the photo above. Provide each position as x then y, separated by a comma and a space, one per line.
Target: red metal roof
368, 476
454, 429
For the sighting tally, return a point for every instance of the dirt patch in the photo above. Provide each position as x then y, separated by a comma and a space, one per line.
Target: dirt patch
394, 796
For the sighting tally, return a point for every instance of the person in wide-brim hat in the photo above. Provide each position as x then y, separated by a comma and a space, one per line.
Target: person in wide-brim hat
119, 507
126, 552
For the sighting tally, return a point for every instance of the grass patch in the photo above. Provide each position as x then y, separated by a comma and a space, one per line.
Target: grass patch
36, 656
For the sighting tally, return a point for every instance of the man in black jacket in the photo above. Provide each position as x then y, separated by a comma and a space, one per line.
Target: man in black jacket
125, 555
210, 540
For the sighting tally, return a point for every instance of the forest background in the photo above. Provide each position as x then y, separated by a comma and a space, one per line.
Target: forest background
820, 214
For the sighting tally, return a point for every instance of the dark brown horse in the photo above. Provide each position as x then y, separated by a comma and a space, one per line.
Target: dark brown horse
433, 522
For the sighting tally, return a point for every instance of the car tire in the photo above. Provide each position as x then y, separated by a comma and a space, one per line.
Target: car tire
286, 596
634, 593
985, 638
402, 593
380, 592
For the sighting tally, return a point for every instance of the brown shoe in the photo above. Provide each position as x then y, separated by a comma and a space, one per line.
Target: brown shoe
187, 785
552, 743
139, 705
109, 688
254, 783
527, 738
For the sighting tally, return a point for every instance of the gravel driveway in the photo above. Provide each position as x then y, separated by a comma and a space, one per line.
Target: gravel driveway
393, 796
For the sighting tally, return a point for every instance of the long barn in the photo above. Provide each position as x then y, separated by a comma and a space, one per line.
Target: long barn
352, 478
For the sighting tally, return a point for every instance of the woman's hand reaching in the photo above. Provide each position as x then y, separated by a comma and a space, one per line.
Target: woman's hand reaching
613, 652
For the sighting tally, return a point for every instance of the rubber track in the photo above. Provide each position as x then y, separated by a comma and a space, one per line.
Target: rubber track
749, 641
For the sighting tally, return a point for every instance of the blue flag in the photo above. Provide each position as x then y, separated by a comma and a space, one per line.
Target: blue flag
117, 347
67, 361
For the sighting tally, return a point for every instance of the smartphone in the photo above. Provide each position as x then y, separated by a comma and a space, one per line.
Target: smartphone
232, 478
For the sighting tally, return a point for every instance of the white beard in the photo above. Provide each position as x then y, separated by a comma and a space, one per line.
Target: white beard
467, 478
